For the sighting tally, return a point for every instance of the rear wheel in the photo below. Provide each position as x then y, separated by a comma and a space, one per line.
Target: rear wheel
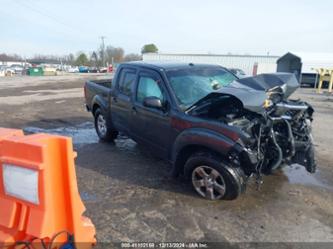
104, 130
212, 179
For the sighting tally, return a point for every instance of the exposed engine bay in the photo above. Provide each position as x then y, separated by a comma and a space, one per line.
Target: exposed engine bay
275, 130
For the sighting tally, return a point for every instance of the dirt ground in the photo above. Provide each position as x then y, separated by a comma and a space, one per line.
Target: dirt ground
128, 192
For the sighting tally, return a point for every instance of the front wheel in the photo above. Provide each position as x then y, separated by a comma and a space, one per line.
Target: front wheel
104, 130
212, 179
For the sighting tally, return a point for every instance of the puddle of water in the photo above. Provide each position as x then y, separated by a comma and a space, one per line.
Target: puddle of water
298, 175
85, 134
81, 134
85, 196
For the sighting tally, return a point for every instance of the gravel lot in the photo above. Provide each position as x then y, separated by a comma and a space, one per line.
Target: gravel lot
128, 192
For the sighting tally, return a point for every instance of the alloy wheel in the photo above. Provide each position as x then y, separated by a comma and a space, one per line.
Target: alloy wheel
208, 182
101, 124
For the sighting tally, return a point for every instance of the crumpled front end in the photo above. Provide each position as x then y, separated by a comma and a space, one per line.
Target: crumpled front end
291, 123
281, 137
280, 131
274, 130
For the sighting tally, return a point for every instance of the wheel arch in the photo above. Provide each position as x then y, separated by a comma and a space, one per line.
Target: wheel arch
234, 176
94, 108
195, 140
98, 102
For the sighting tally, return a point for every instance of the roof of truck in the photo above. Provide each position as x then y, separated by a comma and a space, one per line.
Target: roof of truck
168, 64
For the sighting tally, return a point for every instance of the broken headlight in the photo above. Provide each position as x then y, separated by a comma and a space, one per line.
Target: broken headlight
268, 103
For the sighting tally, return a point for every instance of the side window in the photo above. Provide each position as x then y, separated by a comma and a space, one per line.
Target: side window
148, 87
127, 79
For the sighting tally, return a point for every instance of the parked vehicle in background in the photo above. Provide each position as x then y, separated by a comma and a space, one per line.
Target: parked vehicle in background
73, 70
50, 71
110, 69
83, 69
103, 70
311, 79
238, 72
97, 70
93, 70
6, 71
2, 71
17, 68
215, 128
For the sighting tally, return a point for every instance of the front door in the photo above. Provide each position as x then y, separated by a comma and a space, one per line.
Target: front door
150, 125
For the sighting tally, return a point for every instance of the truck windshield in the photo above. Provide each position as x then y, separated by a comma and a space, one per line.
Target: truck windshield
192, 84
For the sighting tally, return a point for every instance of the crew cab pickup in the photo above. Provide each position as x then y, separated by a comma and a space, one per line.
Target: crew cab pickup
215, 129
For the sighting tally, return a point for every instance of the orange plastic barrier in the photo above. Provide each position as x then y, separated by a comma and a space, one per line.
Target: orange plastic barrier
39, 198
6, 133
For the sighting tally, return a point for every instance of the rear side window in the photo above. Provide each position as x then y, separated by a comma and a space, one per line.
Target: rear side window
127, 80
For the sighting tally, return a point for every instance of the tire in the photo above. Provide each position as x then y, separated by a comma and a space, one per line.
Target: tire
311, 164
206, 171
103, 128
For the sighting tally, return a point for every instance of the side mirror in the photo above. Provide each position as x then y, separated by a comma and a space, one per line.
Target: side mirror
153, 102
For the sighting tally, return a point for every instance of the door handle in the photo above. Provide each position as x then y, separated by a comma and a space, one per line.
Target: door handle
115, 99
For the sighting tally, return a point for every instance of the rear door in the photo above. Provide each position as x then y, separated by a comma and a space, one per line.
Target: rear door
150, 125
121, 99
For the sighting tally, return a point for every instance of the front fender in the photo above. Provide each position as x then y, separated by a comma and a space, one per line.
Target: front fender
209, 139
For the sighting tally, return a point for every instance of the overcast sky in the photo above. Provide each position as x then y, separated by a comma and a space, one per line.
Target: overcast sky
59, 27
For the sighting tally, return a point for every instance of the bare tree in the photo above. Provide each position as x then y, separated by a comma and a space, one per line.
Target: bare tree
132, 57
114, 54
94, 60
39, 58
70, 59
10, 57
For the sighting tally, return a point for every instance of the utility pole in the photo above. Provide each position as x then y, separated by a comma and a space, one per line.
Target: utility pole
103, 50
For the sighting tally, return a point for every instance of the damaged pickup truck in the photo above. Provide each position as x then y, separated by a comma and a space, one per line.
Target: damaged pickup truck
217, 130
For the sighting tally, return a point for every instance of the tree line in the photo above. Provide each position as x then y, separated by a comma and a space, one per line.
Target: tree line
100, 57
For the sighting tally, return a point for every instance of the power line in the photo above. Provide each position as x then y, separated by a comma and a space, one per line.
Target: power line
59, 31
45, 13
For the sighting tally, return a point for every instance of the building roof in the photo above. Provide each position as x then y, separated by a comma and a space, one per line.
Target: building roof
216, 55
168, 64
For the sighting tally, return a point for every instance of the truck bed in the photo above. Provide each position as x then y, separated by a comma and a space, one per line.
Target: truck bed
105, 82
94, 88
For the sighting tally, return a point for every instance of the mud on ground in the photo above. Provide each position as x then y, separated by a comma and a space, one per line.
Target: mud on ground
128, 192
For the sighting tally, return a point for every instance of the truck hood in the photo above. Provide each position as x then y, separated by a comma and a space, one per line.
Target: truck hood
253, 91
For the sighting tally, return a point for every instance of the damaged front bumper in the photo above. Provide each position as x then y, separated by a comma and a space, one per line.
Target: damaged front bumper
283, 137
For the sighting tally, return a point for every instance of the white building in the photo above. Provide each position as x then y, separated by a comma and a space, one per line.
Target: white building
248, 63
302, 64
10, 63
